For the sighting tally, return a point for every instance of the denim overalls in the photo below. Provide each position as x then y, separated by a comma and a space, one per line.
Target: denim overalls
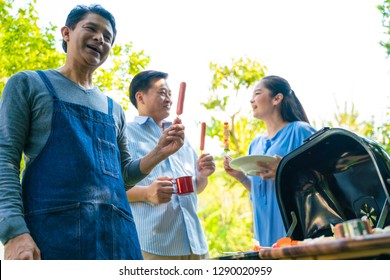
74, 197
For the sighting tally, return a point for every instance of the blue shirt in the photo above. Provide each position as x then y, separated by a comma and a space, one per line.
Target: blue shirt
173, 228
268, 223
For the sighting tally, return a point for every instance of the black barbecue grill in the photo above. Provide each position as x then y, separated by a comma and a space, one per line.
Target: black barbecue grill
333, 177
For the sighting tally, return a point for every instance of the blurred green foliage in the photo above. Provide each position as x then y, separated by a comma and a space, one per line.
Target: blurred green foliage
124, 64
225, 208
23, 44
385, 11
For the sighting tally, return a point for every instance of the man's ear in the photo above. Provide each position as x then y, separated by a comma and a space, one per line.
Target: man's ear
139, 97
65, 31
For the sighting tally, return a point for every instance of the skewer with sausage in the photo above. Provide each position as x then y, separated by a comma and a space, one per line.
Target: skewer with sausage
226, 137
180, 102
202, 136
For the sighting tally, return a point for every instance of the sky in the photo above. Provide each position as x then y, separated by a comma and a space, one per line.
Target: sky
328, 50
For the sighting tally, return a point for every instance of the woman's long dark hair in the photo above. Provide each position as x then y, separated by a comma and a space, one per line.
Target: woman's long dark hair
291, 108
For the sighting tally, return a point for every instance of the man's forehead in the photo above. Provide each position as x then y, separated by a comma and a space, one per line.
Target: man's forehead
97, 19
159, 82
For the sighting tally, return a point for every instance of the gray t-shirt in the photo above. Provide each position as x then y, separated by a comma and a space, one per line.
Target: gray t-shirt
25, 125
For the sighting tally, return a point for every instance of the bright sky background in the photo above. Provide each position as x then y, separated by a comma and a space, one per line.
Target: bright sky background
328, 50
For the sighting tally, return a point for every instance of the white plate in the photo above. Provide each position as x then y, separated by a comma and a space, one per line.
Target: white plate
247, 164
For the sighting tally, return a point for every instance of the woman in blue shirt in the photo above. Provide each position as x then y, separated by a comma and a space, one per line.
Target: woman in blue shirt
287, 125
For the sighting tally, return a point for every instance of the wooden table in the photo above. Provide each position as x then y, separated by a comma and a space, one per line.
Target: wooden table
362, 247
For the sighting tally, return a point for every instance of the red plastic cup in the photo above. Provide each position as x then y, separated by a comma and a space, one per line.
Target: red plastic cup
184, 185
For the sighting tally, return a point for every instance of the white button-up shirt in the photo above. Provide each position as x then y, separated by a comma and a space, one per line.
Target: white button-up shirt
173, 228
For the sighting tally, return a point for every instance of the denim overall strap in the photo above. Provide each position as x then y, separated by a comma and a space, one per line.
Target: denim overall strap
73, 192
47, 83
109, 101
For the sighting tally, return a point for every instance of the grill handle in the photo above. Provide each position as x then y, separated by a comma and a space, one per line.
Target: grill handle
315, 135
293, 224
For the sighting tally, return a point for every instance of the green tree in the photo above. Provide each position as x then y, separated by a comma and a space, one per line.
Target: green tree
23, 44
382, 132
230, 97
225, 208
123, 64
347, 117
385, 10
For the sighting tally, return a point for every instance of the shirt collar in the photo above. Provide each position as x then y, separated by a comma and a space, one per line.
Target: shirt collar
144, 119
